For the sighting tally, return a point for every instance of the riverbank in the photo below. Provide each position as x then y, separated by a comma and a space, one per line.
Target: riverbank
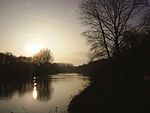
119, 86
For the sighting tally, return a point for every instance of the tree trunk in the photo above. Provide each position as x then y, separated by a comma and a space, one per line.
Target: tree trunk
108, 54
117, 48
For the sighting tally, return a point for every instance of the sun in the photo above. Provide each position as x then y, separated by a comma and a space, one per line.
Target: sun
32, 48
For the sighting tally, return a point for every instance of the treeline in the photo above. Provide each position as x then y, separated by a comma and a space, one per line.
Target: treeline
9, 58
134, 57
53, 68
21, 68
12, 67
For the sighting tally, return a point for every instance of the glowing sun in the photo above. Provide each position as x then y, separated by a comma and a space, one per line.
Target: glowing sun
32, 48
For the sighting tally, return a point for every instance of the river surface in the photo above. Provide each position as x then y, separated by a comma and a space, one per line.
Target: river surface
50, 94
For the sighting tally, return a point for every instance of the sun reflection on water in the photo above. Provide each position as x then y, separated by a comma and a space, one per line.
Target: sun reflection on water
34, 90
34, 93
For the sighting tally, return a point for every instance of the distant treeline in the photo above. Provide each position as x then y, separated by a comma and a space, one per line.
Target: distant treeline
13, 67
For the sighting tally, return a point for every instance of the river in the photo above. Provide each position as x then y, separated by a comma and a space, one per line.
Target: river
50, 94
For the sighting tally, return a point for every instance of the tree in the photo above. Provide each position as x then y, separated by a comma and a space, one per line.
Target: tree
44, 56
107, 21
146, 22
8, 58
132, 39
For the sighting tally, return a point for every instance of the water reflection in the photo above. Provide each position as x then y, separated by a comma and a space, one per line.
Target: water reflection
40, 88
8, 89
40, 94
34, 93
34, 90
44, 89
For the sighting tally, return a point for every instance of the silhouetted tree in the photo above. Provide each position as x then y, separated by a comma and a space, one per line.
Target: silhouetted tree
7, 58
146, 22
107, 21
44, 56
131, 40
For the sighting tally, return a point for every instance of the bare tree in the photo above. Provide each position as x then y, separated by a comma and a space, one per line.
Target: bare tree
107, 21
44, 56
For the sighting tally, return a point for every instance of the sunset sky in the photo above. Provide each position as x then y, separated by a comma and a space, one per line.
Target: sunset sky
29, 25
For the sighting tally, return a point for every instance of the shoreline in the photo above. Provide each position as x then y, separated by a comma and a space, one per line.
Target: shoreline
123, 91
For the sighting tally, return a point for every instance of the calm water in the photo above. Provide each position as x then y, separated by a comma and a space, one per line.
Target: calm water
41, 95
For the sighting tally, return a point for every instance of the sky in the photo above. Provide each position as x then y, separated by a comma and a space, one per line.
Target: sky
29, 25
